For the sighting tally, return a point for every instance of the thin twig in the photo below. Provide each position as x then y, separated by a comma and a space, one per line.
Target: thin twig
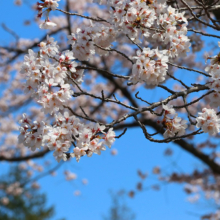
82, 16
167, 89
83, 112
193, 102
136, 95
187, 110
110, 49
178, 80
201, 21
205, 34
10, 32
103, 71
122, 133
134, 43
185, 68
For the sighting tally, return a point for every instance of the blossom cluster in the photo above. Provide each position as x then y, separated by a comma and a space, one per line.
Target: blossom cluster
151, 66
48, 5
31, 133
214, 82
84, 41
208, 121
136, 18
14, 189
65, 132
132, 17
48, 74
173, 32
174, 125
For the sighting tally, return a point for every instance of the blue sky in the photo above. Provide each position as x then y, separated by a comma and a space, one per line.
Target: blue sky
107, 172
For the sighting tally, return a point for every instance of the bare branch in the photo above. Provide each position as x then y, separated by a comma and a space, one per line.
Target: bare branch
205, 34
185, 68
201, 21
10, 32
122, 133
82, 16
111, 49
24, 158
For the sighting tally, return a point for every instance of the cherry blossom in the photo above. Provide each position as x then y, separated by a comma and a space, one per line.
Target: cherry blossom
208, 121
86, 86
59, 137
47, 25
174, 125
151, 66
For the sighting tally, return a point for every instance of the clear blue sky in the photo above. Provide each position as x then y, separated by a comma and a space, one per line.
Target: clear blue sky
107, 172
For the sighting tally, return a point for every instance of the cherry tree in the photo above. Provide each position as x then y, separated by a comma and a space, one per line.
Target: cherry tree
95, 80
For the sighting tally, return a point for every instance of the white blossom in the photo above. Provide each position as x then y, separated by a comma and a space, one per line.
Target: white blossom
47, 25
87, 139
151, 67
175, 126
208, 121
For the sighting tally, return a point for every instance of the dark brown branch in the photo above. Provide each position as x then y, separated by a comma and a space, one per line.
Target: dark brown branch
185, 68
23, 158
190, 148
203, 33
196, 18
11, 32
122, 133
196, 100
195, 88
180, 81
136, 95
82, 16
